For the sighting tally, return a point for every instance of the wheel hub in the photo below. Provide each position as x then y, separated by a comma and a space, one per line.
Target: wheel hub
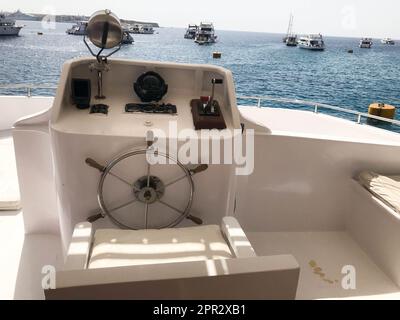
149, 189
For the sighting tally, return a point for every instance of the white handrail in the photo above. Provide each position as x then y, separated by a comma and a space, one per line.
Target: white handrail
28, 87
317, 106
259, 99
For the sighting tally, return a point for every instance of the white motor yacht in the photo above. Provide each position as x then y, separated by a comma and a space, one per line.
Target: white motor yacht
134, 29
205, 34
8, 26
147, 29
388, 41
149, 181
312, 42
78, 29
141, 29
191, 31
366, 43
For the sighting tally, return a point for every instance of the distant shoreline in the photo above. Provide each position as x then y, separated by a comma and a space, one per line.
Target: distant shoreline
68, 18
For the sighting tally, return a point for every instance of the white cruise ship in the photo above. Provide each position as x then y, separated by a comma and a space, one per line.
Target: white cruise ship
8, 27
301, 205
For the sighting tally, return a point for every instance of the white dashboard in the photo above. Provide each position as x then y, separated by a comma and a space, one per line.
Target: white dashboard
185, 83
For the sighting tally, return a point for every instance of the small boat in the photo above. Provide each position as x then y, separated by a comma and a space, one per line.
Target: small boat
78, 29
366, 43
290, 39
205, 34
191, 31
388, 41
8, 27
127, 38
312, 42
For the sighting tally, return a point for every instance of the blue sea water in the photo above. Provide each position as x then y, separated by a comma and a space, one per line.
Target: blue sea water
260, 63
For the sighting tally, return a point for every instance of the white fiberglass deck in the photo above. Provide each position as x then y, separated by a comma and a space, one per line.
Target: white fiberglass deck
24, 256
308, 124
329, 252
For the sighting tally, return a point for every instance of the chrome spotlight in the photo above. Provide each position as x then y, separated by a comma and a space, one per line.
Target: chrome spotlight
104, 30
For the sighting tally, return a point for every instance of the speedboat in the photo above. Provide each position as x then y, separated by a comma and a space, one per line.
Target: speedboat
8, 27
147, 180
205, 34
312, 42
388, 41
191, 32
366, 43
78, 29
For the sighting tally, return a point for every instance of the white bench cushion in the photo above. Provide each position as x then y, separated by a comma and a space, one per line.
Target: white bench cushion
385, 188
117, 248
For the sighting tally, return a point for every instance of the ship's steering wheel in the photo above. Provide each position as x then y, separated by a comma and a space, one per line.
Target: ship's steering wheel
147, 190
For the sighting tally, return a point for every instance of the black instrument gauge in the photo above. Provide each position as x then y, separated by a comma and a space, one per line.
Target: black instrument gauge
150, 87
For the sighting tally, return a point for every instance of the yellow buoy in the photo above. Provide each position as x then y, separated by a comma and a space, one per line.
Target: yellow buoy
217, 55
382, 110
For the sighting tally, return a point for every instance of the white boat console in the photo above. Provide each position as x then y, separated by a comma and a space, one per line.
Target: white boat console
102, 129
127, 115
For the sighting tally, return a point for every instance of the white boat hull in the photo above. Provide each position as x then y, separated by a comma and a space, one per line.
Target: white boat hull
200, 42
9, 31
302, 46
209, 40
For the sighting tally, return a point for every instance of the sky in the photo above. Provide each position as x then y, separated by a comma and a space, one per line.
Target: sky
353, 18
